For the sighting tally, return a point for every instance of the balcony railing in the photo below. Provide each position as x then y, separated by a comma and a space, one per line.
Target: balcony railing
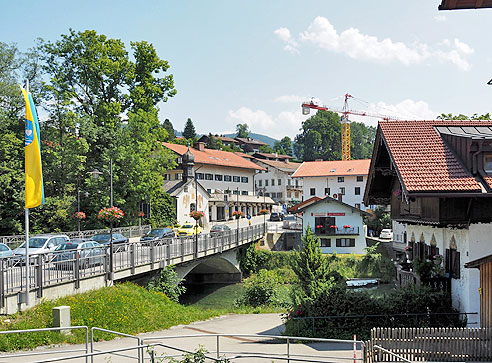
339, 231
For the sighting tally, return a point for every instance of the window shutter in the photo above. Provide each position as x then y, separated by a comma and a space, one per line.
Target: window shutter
447, 261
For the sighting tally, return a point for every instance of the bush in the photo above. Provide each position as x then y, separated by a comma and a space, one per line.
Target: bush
168, 283
260, 289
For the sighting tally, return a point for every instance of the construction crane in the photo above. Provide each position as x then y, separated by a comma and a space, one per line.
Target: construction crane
345, 111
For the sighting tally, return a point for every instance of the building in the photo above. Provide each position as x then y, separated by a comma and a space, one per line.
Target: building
341, 179
437, 176
227, 177
276, 181
226, 141
338, 225
275, 156
250, 145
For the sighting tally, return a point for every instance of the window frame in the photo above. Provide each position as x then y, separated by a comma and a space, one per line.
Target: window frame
341, 179
360, 178
357, 190
312, 191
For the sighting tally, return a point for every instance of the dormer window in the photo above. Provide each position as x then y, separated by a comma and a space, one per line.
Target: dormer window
487, 163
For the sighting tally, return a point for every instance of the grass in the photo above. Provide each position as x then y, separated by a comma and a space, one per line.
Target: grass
126, 308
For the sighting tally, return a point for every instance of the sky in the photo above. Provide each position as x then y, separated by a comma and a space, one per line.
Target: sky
256, 61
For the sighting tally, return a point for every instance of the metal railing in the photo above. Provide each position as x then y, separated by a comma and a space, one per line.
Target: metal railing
66, 266
337, 231
131, 231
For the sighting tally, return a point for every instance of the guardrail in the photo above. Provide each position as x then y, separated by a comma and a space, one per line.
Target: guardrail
57, 267
131, 231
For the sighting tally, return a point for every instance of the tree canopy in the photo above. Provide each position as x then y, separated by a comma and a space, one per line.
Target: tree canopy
189, 130
284, 146
242, 130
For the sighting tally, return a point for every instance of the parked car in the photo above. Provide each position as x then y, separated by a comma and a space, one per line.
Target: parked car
386, 234
42, 243
6, 252
89, 253
276, 217
290, 222
157, 233
218, 229
189, 229
103, 238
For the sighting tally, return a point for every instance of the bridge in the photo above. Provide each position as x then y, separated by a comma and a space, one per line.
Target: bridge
205, 258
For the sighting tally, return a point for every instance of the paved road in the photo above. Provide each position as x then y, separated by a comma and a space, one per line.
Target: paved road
262, 324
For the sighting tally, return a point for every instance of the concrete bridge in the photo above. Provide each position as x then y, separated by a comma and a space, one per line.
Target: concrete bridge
207, 258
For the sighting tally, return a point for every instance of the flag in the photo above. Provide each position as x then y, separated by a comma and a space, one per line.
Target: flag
33, 169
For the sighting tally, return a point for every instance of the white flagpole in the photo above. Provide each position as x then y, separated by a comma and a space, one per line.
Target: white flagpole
27, 235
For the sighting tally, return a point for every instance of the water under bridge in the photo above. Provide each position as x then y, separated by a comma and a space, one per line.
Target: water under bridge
206, 258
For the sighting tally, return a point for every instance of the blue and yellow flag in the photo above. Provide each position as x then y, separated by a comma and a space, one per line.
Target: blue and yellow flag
34, 171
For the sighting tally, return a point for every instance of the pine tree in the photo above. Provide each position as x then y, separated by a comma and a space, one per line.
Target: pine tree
189, 130
170, 129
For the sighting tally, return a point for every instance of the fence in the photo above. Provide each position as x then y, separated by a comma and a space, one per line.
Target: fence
132, 231
429, 344
66, 266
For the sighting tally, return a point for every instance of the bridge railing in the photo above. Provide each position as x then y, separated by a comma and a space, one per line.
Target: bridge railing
58, 267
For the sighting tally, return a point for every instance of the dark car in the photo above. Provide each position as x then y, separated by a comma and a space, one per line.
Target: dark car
219, 229
157, 233
103, 238
276, 217
89, 253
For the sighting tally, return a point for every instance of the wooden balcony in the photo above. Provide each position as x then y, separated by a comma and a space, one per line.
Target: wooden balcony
339, 231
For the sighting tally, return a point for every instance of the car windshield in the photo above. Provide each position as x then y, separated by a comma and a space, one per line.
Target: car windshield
290, 218
218, 228
35, 242
386, 230
156, 232
101, 237
187, 226
67, 246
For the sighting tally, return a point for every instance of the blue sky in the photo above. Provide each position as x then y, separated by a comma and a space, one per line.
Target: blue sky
255, 61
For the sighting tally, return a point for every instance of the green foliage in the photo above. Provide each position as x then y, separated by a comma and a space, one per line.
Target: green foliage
378, 220
320, 138
265, 149
126, 308
283, 146
171, 134
260, 289
475, 116
189, 130
168, 283
199, 356
242, 130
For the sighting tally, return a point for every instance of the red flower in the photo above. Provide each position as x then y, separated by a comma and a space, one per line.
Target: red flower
78, 215
346, 226
110, 214
334, 227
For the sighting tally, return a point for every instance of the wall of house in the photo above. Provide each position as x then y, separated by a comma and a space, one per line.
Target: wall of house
185, 199
349, 217
275, 174
472, 243
331, 182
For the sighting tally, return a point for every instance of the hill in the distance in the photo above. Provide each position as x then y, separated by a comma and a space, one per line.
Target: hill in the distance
266, 139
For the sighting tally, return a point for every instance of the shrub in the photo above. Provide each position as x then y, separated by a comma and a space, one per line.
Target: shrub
168, 283
260, 289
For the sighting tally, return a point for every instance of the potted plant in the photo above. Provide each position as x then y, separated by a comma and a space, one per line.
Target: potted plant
196, 215
264, 211
237, 214
333, 227
347, 226
78, 216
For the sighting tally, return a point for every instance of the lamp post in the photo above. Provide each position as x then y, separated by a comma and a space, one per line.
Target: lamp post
238, 216
196, 209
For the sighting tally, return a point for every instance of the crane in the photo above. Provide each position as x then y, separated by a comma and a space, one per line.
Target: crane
345, 111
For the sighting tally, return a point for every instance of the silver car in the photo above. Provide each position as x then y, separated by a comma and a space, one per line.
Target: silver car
40, 244
89, 253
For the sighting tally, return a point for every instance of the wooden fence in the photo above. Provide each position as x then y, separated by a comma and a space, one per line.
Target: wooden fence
430, 345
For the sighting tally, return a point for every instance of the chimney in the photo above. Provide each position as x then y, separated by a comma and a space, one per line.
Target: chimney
200, 146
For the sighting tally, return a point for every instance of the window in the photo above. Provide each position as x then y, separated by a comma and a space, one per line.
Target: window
322, 225
297, 183
345, 242
488, 163
218, 177
273, 182
235, 192
227, 178
279, 195
312, 191
452, 263
289, 182
289, 194
267, 194
357, 205
342, 190
200, 176
260, 183
166, 177
357, 190
244, 179
279, 182
209, 177
209, 191
341, 179
236, 179
325, 242
360, 178
244, 192
327, 191
266, 182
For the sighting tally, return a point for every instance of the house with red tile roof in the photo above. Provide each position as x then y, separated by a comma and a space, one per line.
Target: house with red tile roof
226, 176
341, 179
437, 177
249, 145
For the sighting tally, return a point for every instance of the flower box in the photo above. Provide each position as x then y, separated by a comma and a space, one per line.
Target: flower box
196, 215
79, 215
110, 214
237, 214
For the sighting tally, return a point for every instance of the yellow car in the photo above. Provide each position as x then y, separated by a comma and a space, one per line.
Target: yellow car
188, 229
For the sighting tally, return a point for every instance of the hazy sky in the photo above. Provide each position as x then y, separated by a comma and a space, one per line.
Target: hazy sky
256, 61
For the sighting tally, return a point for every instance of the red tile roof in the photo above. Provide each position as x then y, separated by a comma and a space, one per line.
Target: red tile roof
215, 157
333, 168
300, 205
281, 165
424, 162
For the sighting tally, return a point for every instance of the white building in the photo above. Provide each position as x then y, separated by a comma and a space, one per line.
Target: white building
276, 181
341, 179
339, 225
227, 177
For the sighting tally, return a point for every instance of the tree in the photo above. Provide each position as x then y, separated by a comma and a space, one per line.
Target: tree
283, 146
379, 220
189, 130
361, 140
475, 116
242, 130
171, 135
266, 149
214, 142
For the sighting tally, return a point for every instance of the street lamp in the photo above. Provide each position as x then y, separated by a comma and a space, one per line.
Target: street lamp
239, 215
263, 190
196, 209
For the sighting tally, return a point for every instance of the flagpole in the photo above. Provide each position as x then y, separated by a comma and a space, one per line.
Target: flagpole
27, 237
